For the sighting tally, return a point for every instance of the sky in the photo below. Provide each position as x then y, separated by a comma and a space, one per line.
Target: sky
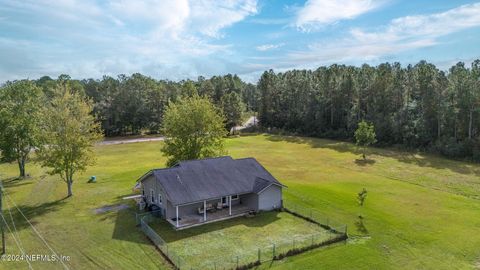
182, 39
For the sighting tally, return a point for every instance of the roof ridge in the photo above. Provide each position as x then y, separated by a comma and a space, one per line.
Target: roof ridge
164, 169
246, 158
207, 158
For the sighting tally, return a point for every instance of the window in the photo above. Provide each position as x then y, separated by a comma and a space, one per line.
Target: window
235, 197
160, 198
224, 200
152, 196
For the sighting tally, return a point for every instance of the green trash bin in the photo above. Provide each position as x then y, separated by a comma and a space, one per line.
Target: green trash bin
93, 179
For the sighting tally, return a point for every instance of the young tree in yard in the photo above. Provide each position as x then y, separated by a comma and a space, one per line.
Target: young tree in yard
193, 128
361, 196
20, 105
233, 108
69, 132
365, 136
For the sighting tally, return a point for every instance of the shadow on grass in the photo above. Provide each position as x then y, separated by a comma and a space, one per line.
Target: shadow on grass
125, 227
364, 162
360, 226
31, 212
165, 230
16, 182
428, 160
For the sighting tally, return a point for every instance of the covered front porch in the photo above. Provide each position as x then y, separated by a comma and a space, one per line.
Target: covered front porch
191, 215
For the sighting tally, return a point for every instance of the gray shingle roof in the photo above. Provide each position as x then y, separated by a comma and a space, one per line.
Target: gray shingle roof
198, 180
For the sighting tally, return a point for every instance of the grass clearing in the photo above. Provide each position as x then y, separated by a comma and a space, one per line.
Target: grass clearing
421, 212
220, 243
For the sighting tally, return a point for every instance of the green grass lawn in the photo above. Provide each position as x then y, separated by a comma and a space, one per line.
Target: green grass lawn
218, 245
422, 211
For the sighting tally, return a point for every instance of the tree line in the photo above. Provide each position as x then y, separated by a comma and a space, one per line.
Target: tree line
418, 106
128, 105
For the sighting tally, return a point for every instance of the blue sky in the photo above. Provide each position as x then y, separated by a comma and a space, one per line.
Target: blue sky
179, 39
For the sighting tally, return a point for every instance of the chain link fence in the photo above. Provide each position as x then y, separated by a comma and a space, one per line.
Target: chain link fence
332, 232
316, 217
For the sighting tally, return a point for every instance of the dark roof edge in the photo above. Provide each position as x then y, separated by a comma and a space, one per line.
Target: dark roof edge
211, 198
205, 158
271, 183
141, 178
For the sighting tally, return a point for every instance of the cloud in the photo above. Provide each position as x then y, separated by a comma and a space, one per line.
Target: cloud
270, 21
89, 38
401, 34
318, 13
267, 47
211, 16
202, 16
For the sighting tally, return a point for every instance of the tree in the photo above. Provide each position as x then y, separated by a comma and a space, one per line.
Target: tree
365, 136
361, 196
193, 128
69, 133
20, 105
233, 108
188, 89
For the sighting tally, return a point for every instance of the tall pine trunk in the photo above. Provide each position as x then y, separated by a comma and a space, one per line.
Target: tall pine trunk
470, 124
331, 115
439, 128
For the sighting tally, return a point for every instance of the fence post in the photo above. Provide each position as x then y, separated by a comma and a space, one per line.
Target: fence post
273, 252
312, 238
259, 254
237, 261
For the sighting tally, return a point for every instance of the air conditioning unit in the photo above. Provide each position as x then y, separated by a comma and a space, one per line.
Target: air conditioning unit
142, 205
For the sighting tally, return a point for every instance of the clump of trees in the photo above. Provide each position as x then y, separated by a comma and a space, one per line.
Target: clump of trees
365, 136
135, 104
20, 106
194, 128
57, 121
419, 107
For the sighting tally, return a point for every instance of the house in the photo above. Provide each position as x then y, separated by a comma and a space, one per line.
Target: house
201, 191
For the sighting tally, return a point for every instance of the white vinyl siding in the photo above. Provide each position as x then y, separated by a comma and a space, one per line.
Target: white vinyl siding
270, 198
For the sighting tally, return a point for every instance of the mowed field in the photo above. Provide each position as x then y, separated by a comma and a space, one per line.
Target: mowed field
422, 211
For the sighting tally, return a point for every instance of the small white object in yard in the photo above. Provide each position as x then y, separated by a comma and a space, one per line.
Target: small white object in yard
132, 197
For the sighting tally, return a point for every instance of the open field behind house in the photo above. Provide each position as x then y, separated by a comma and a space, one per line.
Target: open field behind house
422, 211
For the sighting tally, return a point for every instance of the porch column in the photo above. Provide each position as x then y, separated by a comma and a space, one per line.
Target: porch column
230, 205
204, 210
176, 209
